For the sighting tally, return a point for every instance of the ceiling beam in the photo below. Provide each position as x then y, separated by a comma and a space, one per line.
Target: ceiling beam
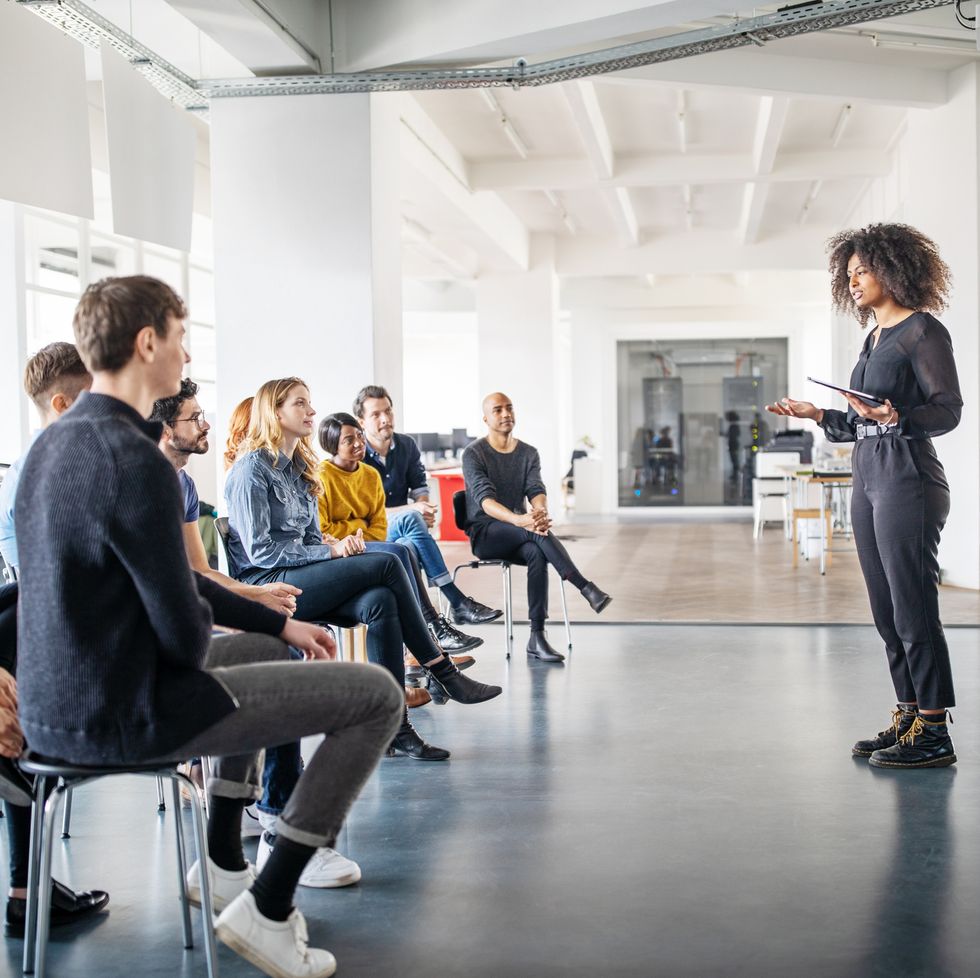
710, 252
587, 113
765, 73
678, 169
768, 132
432, 158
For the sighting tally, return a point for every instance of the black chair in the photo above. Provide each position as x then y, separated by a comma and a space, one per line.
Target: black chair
43, 817
459, 515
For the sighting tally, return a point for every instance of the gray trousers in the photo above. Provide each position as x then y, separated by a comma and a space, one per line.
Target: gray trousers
356, 707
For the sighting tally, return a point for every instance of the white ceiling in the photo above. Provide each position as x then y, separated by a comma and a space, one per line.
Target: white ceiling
731, 153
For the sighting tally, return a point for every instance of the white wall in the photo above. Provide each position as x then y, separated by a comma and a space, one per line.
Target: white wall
934, 186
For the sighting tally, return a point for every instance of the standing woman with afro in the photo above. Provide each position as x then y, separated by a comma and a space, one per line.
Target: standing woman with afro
891, 275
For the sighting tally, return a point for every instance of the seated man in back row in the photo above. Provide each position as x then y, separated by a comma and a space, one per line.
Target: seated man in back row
500, 473
400, 464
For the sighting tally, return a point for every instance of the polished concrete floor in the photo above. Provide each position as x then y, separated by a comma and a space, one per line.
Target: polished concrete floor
674, 801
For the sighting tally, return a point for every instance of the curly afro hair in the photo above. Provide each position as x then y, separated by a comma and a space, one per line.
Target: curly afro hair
904, 261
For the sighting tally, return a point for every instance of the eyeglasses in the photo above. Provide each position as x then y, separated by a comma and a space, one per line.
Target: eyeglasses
201, 420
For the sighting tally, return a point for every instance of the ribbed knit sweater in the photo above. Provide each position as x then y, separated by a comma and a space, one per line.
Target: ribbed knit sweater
352, 501
113, 626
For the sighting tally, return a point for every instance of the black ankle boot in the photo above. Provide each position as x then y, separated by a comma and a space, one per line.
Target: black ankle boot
408, 742
539, 646
902, 718
925, 744
597, 598
457, 686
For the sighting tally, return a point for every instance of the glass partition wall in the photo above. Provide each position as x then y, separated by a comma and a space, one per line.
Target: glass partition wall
692, 418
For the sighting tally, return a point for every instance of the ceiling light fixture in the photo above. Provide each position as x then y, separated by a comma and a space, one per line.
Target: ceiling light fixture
811, 196
509, 131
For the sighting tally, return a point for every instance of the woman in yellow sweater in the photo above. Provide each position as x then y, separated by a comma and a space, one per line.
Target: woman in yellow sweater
353, 503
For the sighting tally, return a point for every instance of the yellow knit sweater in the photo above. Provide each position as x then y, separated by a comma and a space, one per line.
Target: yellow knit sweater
352, 501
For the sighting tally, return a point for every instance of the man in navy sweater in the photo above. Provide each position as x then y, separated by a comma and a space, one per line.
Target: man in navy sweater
106, 586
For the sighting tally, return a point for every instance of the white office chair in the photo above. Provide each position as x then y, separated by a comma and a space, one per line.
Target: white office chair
770, 485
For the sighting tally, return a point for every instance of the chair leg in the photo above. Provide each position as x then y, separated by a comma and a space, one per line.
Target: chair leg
66, 818
508, 609
33, 872
176, 780
796, 540
360, 637
564, 611
44, 882
757, 518
206, 778
207, 909
161, 802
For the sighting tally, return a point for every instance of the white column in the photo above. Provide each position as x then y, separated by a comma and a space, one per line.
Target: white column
306, 242
13, 353
517, 323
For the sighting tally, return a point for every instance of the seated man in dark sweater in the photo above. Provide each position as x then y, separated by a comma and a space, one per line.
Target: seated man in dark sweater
105, 584
500, 473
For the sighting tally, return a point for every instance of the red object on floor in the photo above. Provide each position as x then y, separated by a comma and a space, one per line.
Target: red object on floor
449, 481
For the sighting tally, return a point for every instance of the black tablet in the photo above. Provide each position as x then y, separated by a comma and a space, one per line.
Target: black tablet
869, 398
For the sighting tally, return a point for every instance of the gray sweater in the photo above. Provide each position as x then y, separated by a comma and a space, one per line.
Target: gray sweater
509, 478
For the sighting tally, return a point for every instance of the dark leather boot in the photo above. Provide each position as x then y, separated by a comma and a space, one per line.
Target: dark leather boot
409, 743
456, 686
471, 612
539, 646
597, 598
925, 744
451, 639
902, 717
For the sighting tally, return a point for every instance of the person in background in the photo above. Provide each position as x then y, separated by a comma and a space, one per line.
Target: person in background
892, 275
238, 424
353, 500
502, 475
53, 379
409, 513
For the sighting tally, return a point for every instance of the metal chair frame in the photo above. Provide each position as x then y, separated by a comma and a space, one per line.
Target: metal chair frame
43, 818
505, 566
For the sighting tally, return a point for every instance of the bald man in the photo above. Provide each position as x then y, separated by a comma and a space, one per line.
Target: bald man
502, 476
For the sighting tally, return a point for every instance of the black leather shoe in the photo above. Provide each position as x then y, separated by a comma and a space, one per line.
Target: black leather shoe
470, 612
597, 599
901, 721
451, 639
66, 907
14, 787
924, 744
458, 687
408, 742
540, 648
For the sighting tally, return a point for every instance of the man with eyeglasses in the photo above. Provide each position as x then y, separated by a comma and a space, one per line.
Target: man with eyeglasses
185, 433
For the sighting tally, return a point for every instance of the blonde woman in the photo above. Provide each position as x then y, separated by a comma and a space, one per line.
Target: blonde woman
274, 535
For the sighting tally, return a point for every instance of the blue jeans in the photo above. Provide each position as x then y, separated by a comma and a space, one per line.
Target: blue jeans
409, 528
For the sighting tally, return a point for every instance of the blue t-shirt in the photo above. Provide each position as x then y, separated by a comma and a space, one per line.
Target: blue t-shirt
8, 496
192, 502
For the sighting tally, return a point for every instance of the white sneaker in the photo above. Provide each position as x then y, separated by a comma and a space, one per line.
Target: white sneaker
225, 884
327, 870
277, 948
251, 826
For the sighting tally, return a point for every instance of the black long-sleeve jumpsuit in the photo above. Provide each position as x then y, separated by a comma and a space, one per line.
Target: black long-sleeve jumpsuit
901, 498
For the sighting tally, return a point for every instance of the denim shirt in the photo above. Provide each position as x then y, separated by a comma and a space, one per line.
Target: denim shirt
272, 519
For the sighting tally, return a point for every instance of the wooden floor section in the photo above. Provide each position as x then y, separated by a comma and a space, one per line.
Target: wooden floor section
697, 571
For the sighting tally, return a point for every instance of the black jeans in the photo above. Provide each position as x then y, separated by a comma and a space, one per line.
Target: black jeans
494, 540
372, 589
898, 508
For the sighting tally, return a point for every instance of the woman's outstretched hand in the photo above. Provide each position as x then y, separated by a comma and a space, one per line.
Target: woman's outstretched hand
788, 408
